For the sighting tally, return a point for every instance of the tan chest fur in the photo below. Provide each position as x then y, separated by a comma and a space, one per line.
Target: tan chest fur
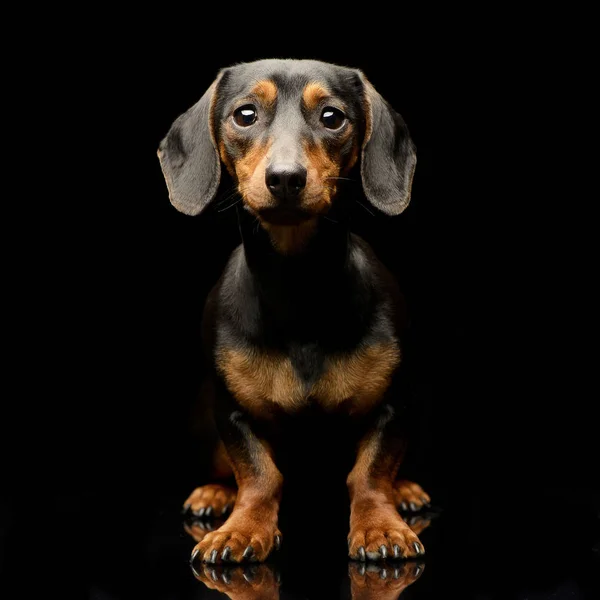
259, 380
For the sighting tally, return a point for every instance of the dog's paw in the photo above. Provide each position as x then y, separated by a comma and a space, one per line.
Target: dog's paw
240, 581
238, 540
382, 582
381, 533
211, 500
410, 496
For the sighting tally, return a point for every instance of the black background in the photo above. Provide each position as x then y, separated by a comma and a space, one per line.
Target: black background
491, 252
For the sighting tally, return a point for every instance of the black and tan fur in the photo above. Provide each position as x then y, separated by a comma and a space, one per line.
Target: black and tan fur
305, 319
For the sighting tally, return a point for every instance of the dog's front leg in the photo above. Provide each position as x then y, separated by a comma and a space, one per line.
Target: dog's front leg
251, 531
376, 528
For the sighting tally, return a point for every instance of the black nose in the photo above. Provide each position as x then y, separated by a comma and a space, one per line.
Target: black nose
285, 181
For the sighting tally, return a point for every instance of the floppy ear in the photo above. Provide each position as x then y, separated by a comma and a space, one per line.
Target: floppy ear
189, 158
388, 155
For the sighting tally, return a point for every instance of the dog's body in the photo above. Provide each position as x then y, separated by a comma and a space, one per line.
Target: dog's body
305, 319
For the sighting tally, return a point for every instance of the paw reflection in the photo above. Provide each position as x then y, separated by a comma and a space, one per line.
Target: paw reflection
418, 523
198, 528
382, 581
240, 582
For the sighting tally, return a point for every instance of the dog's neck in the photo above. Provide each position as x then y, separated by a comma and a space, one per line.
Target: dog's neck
320, 293
295, 252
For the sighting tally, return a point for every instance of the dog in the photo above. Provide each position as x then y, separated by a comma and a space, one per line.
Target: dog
305, 320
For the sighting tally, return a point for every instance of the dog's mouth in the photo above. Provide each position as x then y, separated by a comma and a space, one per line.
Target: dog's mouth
284, 215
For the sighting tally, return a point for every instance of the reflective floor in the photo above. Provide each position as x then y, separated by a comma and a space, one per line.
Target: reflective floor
547, 546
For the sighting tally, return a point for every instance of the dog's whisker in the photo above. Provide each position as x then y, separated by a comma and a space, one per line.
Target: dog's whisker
230, 205
343, 179
228, 195
361, 204
225, 200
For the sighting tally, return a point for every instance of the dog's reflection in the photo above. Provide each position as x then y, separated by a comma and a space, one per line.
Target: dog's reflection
419, 522
198, 528
382, 581
261, 581
240, 582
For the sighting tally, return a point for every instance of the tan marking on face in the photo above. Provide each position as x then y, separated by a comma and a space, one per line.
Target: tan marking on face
245, 168
250, 175
266, 91
322, 171
225, 158
247, 165
314, 93
291, 239
260, 380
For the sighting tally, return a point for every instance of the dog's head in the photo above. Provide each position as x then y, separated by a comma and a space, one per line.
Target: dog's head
287, 131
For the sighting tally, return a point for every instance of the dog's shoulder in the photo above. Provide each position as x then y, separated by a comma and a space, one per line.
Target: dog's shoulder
381, 283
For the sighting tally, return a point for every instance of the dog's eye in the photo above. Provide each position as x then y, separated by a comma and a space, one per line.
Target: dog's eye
245, 115
332, 118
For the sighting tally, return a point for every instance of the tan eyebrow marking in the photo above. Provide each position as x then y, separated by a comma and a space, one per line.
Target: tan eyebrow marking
313, 94
266, 91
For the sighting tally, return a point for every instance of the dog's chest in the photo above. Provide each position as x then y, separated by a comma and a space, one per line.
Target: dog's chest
354, 381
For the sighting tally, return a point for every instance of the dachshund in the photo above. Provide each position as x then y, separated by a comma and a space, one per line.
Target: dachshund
305, 322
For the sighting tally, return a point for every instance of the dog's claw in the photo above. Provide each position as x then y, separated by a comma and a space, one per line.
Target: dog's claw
200, 511
396, 551
404, 506
208, 511
194, 554
418, 548
362, 555
248, 552
226, 553
383, 551
213, 557
277, 542
413, 507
